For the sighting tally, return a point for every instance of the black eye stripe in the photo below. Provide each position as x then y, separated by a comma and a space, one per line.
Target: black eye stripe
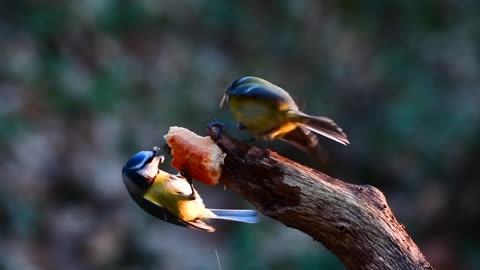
148, 161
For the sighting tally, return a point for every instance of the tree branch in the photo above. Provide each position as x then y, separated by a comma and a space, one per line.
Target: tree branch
354, 222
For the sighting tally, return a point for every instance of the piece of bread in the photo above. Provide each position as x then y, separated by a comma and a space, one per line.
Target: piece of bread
198, 156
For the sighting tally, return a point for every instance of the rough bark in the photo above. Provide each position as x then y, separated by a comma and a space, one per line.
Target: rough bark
353, 221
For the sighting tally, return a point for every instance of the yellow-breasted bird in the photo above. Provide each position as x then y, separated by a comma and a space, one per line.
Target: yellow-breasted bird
269, 112
172, 197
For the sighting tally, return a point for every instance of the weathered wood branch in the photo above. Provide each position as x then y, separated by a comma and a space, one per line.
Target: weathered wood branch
354, 222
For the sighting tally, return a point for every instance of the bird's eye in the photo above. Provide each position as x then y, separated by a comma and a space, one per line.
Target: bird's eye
149, 160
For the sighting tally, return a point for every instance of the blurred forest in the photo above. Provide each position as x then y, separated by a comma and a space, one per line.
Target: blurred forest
86, 84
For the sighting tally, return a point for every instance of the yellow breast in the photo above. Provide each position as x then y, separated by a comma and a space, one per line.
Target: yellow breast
264, 118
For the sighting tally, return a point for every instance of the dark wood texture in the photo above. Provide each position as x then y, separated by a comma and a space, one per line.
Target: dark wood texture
354, 222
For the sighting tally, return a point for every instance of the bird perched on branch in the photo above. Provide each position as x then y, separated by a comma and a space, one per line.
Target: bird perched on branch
269, 112
172, 197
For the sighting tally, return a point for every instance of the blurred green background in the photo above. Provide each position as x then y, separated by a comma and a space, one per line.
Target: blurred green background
86, 84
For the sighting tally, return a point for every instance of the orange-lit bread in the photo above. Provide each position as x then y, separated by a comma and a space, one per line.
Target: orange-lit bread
198, 156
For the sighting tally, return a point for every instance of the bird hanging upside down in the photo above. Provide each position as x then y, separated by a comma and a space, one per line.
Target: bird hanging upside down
172, 197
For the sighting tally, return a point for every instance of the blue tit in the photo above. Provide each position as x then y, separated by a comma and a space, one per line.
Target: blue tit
172, 197
269, 112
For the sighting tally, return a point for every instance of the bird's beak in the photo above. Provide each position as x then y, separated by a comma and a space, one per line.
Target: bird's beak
224, 99
158, 159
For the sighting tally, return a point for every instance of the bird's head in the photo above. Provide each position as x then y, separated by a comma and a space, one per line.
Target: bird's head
244, 86
140, 170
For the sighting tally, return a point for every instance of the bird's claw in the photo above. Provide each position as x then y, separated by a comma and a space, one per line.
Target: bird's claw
216, 123
219, 127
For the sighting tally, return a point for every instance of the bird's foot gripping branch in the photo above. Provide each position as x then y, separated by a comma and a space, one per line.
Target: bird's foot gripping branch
354, 222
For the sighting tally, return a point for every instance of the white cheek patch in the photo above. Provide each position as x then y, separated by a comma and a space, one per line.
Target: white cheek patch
149, 171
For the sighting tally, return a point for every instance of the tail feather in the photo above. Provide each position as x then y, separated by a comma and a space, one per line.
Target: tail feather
321, 125
247, 216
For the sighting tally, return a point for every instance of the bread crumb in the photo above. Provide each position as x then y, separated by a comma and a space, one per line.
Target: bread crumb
198, 156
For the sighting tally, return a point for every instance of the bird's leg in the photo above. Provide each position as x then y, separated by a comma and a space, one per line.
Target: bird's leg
187, 176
